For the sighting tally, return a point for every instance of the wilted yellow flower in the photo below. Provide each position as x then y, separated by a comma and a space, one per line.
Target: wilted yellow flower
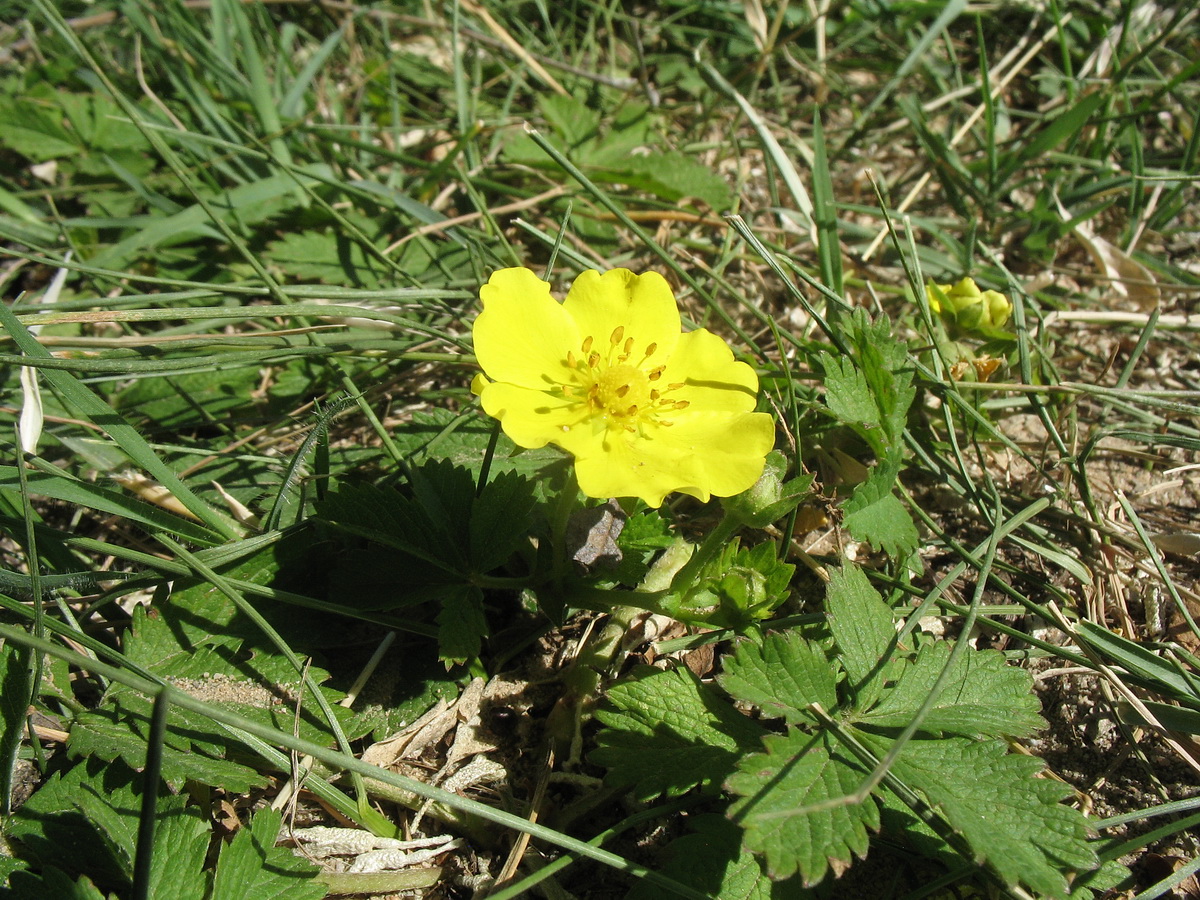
969, 307
608, 376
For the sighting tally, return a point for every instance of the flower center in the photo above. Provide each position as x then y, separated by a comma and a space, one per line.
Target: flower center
617, 392
622, 390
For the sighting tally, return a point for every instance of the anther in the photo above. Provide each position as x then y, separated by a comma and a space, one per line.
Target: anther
587, 344
675, 386
654, 395
682, 404
632, 411
622, 391
655, 373
594, 359
650, 348
628, 348
572, 362
618, 335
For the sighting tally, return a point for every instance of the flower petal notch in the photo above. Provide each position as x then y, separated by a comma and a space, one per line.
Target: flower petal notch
609, 376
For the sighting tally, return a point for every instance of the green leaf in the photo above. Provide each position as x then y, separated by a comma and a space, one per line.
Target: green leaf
15, 678
327, 256
35, 131
847, 393
500, 520
1011, 819
105, 735
251, 867
463, 440
670, 176
864, 631
874, 391
801, 771
54, 883
665, 732
180, 845
199, 641
53, 831
711, 859
388, 517
87, 822
462, 625
983, 696
782, 676
873, 514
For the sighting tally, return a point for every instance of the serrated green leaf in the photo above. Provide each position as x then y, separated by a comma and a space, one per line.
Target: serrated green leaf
463, 440
34, 131
462, 625
847, 393
873, 514
53, 832
388, 517
864, 631
500, 520
711, 859
983, 696
671, 176
180, 845
327, 256
53, 882
251, 867
1012, 820
102, 735
665, 732
782, 676
801, 771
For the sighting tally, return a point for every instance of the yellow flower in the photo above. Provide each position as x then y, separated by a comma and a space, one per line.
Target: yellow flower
969, 307
608, 376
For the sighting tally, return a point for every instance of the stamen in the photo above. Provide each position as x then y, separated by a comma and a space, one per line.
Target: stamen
628, 348
594, 359
618, 335
650, 348
655, 373
587, 344
632, 411
572, 362
654, 395
622, 391
675, 386
682, 404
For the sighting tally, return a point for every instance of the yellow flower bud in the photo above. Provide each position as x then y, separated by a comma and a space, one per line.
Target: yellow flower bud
968, 307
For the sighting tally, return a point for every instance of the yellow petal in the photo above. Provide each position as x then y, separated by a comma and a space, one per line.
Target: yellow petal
641, 306
523, 335
530, 417
702, 454
712, 379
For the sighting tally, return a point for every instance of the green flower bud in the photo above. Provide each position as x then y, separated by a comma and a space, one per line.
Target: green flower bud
770, 498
